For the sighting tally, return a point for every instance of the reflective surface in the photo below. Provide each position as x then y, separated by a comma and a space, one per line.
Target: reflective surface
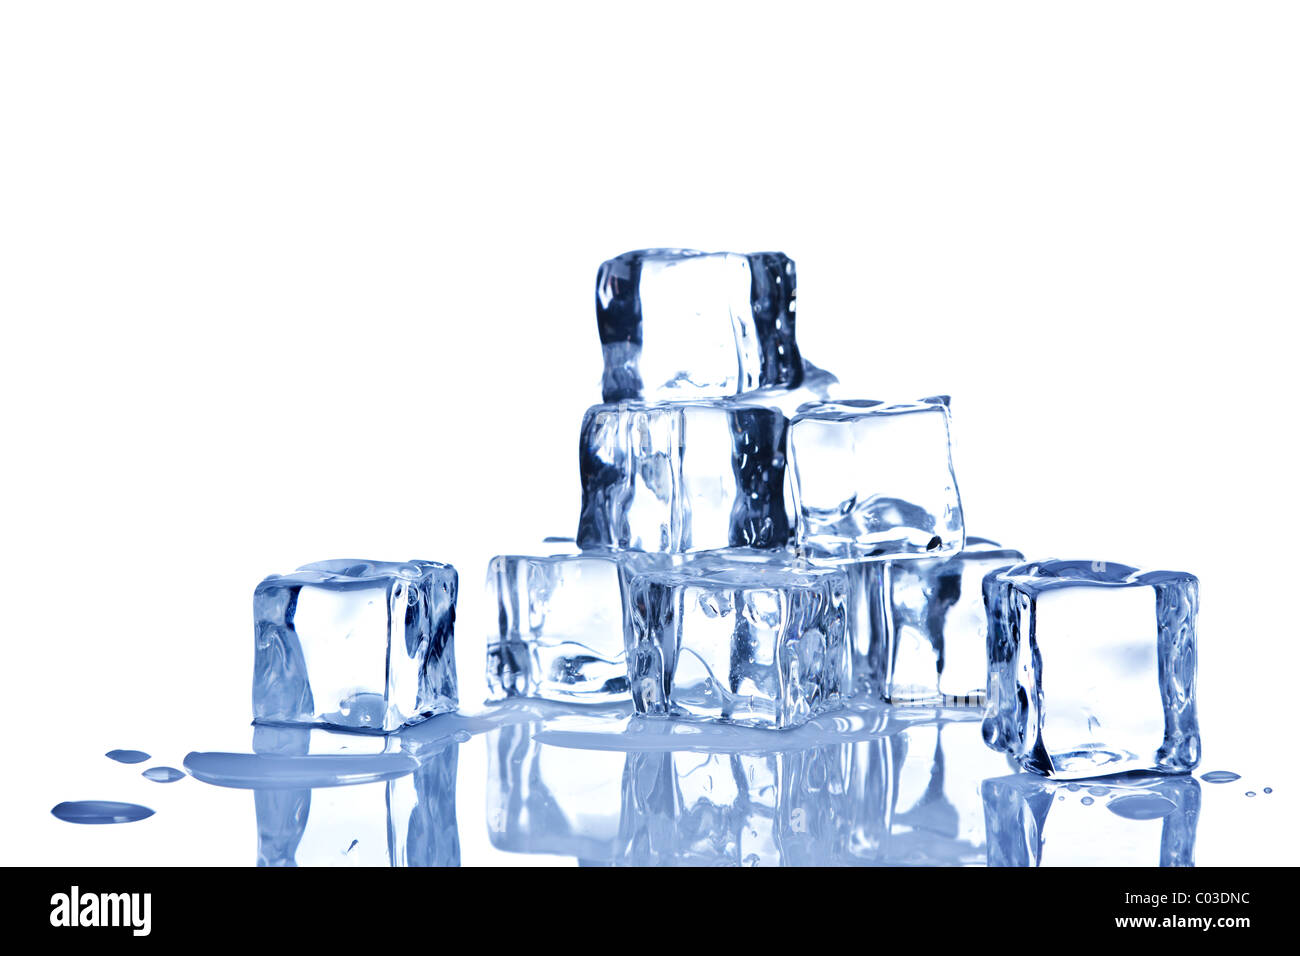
526, 782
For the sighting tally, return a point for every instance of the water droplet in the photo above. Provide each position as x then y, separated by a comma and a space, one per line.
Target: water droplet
1250, 793
1220, 776
1087, 801
100, 811
351, 846
162, 774
127, 756
1268, 789
1141, 806
1099, 791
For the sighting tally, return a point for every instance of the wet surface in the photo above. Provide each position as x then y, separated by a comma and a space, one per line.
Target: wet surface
869, 785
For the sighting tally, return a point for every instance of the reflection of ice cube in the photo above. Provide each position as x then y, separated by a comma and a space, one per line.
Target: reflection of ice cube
916, 796
918, 625
748, 638
734, 809
560, 627
872, 479
1092, 668
1131, 820
407, 821
682, 477
358, 644
546, 799
675, 323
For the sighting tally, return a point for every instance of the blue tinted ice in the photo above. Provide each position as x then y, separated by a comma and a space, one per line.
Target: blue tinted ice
872, 479
676, 323
546, 799
559, 627
1131, 820
358, 644
1092, 668
409, 820
916, 798
918, 624
735, 809
682, 477
750, 638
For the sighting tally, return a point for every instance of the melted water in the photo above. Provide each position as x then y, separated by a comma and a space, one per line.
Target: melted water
127, 756
274, 772
100, 811
1220, 776
163, 774
1141, 807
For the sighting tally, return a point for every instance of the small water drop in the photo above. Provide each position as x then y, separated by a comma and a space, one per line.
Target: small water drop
1098, 791
1268, 789
127, 756
351, 846
1220, 776
1250, 793
100, 811
1087, 801
162, 774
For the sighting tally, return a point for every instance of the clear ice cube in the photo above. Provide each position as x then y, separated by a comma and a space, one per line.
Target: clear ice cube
676, 323
873, 480
692, 808
357, 644
1092, 668
754, 638
559, 628
555, 800
406, 821
1134, 820
677, 477
918, 625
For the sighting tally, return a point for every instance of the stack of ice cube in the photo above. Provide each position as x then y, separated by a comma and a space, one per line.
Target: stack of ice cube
754, 549
715, 574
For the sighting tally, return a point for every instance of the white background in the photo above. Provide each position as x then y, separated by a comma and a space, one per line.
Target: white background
288, 281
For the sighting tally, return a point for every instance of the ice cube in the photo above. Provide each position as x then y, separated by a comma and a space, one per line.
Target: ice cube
872, 479
1135, 820
559, 627
735, 809
357, 644
676, 323
406, 821
918, 625
1092, 668
754, 638
548, 799
676, 477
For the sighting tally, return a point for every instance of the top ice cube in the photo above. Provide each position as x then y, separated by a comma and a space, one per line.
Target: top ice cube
676, 323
